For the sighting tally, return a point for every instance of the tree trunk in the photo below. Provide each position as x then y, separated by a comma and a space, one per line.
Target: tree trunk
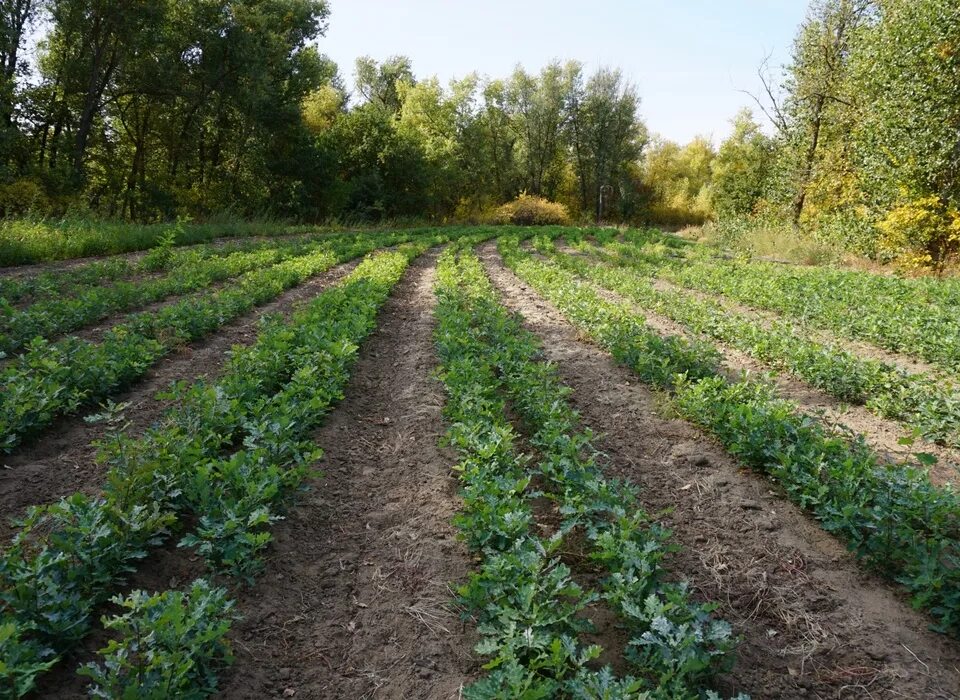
100, 75
809, 158
55, 141
18, 15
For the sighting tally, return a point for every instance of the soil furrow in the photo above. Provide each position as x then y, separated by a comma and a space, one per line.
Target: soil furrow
814, 624
62, 461
356, 600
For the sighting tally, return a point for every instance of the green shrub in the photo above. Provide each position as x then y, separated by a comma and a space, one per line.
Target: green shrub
668, 215
160, 255
22, 197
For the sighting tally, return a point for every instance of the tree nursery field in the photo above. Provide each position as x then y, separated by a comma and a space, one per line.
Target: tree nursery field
477, 462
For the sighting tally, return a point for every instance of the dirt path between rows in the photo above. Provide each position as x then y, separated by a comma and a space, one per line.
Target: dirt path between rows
355, 602
62, 460
814, 625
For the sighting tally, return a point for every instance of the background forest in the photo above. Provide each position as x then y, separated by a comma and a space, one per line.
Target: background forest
152, 110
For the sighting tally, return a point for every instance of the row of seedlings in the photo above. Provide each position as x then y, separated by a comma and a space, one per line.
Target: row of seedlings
51, 380
923, 329
27, 287
531, 612
82, 307
216, 473
891, 516
853, 286
929, 406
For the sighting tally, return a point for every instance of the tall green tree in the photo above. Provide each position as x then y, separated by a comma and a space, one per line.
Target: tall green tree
741, 171
16, 19
821, 103
605, 134
679, 179
155, 105
498, 141
538, 111
378, 83
908, 67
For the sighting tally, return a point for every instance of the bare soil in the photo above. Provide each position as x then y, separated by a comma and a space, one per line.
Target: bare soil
63, 459
356, 601
814, 624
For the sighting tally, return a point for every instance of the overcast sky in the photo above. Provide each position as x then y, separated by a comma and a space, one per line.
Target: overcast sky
688, 58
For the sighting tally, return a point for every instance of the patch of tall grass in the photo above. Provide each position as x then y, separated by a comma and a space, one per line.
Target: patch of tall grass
769, 239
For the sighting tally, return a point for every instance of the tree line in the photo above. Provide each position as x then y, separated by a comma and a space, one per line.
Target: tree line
136, 109
153, 109
146, 109
414, 147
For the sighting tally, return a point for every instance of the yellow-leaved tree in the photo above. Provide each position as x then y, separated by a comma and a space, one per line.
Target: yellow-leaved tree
923, 232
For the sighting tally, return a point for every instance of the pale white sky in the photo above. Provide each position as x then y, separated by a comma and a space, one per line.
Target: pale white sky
687, 57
